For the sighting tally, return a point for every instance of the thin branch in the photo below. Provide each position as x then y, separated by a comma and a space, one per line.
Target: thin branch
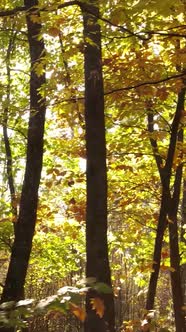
114, 211
75, 99
130, 87
175, 128
12, 12
139, 35
17, 10
69, 3
137, 154
122, 29
166, 34
8, 152
153, 141
165, 121
13, 30
182, 26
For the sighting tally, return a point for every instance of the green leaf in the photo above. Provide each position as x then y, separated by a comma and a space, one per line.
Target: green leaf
101, 287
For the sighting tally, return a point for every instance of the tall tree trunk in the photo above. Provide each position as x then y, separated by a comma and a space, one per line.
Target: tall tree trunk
162, 223
176, 284
14, 284
169, 209
183, 224
183, 240
8, 152
97, 264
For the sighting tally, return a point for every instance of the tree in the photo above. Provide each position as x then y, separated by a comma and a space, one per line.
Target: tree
97, 263
24, 230
168, 211
8, 151
134, 41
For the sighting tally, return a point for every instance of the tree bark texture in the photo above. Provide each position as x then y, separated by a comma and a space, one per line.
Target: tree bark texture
176, 283
183, 223
97, 264
24, 232
8, 152
162, 223
168, 215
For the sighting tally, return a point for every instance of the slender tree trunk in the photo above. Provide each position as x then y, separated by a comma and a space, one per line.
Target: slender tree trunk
9, 168
177, 294
169, 208
8, 152
174, 249
183, 223
162, 223
97, 264
14, 284
176, 277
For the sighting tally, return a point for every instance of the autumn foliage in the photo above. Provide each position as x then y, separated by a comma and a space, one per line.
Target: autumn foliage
96, 189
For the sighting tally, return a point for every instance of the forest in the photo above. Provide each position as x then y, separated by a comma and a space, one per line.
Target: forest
92, 166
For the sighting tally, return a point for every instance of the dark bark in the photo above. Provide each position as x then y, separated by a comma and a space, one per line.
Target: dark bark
183, 219
162, 220
162, 223
97, 264
183, 223
9, 167
14, 284
8, 152
168, 210
154, 145
174, 249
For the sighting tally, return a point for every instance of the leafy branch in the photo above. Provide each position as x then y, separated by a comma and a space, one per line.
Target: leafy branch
12, 12
75, 99
130, 87
67, 299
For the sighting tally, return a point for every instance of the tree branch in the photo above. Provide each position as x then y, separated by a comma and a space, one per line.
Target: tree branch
130, 87
165, 34
8, 152
12, 12
75, 99
174, 132
17, 10
140, 35
153, 141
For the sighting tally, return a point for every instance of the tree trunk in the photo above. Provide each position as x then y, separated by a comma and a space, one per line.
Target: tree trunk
162, 223
169, 209
14, 284
183, 224
174, 248
97, 264
8, 152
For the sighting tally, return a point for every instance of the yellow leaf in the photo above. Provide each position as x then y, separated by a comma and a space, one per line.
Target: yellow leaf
117, 15
60, 20
167, 268
39, 68
98, 306
164, 267
35, 18
79, 312
171, 269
